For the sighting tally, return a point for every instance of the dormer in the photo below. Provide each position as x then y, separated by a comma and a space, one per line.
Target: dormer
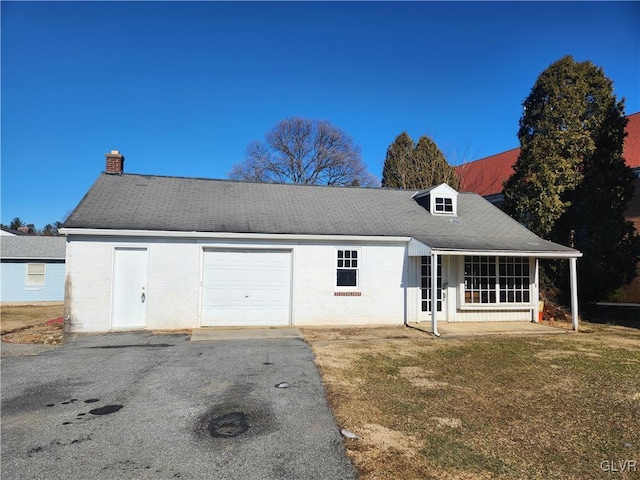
439, 200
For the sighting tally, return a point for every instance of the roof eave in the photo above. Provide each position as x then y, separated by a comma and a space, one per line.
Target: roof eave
511, 253
100, 232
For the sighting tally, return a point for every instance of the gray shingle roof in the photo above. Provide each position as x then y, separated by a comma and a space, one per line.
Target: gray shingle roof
32, 247
146, 202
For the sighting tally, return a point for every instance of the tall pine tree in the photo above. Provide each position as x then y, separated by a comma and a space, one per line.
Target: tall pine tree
416, 166
570, 182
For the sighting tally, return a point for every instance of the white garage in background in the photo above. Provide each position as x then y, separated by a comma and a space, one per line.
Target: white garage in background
242, 287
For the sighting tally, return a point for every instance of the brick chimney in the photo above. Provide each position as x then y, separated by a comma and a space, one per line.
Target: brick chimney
115, 163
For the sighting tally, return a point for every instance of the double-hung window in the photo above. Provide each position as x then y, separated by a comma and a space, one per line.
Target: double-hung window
35, 274
347, 269
496, 280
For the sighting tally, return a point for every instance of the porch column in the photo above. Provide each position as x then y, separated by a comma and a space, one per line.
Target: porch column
536, 289
573, 278
434, 293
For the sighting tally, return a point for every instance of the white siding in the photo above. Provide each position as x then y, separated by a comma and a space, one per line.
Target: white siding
175, 273
174, 284
172, 300
88, 286
381, 299
492, 315
388, 288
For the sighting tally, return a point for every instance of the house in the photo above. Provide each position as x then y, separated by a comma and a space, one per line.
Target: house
32, 268
487, 176
158, 252
8, 232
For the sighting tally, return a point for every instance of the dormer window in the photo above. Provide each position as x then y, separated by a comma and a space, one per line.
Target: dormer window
438, 200
444, 205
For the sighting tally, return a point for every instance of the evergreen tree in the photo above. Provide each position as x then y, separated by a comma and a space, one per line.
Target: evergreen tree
432, 166
570, 182
396, 165
416, 166
49, 230
16, 223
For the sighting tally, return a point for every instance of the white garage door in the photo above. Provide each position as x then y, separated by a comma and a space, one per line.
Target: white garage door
246, 288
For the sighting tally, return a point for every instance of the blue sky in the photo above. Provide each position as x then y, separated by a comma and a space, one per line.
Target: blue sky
181, 88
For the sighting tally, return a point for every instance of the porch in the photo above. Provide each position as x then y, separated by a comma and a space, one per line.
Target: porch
472, 329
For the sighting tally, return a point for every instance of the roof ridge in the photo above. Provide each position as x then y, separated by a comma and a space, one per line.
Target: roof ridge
247, 182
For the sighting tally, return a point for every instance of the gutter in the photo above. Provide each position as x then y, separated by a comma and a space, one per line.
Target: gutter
99, 232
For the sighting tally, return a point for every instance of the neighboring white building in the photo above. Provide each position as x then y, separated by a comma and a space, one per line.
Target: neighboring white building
152, 252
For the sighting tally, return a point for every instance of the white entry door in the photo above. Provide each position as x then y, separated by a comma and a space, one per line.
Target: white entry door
246, 288
129, 288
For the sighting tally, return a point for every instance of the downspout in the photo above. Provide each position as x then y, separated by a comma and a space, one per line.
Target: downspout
405, 273
434, 293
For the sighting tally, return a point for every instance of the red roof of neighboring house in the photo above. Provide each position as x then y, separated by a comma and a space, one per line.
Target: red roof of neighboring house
631, 151
487, 175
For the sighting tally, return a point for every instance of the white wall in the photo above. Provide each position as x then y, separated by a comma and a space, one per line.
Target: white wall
173, 294
388, 293
173, 283
87, 294
381, 291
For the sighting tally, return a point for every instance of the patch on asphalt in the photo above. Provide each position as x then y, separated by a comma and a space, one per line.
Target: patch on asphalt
229, 425
137, 345
105, 410
236, 414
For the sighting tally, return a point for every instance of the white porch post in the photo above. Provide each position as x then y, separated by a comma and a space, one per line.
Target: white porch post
536, 289
573, 276
434, 293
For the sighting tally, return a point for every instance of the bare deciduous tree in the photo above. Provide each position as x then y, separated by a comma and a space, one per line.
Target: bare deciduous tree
310, 152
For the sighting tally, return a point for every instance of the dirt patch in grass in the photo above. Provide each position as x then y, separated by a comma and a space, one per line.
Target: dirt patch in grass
33, 324
40, 334
43, 324
508, 406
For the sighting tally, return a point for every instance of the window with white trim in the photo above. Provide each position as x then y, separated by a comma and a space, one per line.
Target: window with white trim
443, 205
479, 279
496, 280
347, 271
514, 280
35, 273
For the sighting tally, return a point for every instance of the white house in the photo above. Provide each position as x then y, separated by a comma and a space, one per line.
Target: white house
153, 252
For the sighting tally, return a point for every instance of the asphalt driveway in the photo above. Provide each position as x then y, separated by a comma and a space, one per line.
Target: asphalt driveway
137, 405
